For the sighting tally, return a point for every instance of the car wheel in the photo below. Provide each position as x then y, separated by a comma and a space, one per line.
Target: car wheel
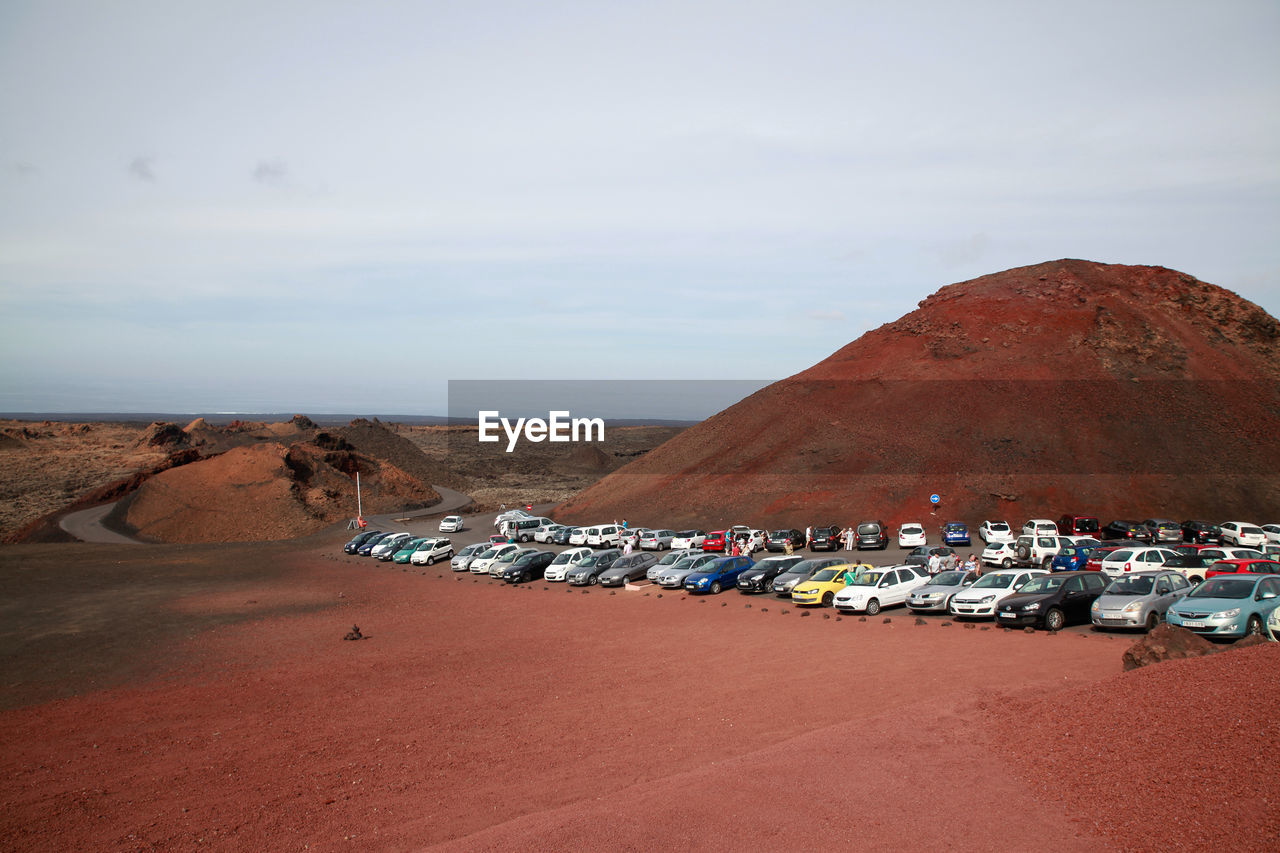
1196, 580
1046, 563
1054, 620
1254, 626
593, 580
1007, 563
431, 561
715, 587
873, 607
828, 598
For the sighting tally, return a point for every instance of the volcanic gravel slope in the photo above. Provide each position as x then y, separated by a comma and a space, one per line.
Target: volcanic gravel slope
1068, 386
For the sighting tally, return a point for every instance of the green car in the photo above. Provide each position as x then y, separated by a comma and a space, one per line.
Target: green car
403, 555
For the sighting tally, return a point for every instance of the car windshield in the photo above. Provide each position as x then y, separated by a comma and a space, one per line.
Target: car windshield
1087, 525
948, 579
488, 554
1224, 587
868, 579
509, 556
805, 567
826, 575
780, 534
868, 529
955, 527
1119, 556
1067, 552
997, 525
1132, 585
993, 582
911, 530
1044, 583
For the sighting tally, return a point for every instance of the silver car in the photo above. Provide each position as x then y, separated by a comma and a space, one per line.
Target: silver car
668, 560
935, 596
1138, 599
462, 560
656, 540
672, 577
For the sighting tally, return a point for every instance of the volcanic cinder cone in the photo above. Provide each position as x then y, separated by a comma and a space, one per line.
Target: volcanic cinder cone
1069, 386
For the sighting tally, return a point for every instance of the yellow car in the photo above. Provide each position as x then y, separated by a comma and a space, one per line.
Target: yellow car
825, 583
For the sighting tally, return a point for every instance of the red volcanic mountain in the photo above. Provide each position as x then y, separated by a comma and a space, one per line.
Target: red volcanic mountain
1070, 386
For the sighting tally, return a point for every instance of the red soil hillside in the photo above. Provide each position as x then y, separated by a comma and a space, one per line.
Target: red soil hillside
1067, 386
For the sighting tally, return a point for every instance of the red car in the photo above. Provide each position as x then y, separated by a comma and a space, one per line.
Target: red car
1231, 567
1079, 525
714, 541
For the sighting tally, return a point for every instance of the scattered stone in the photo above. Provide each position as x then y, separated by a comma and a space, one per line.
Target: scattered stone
887, 620
969, 626
920, 621
1028, 630
839, 618
659, 595
986, 627
806, 613
764, 610
1166, 642
612, 592
946, 624
747, 605
862, 619
354, 633
826, 615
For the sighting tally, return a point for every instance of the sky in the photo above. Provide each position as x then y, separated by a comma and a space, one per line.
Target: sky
340, 207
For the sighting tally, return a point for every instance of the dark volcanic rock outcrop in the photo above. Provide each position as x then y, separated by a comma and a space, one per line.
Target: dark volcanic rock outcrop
1066, 386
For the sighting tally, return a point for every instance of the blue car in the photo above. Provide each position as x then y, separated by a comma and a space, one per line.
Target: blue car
719, 574
1070, 560
955, 533
367, 547
1227, 605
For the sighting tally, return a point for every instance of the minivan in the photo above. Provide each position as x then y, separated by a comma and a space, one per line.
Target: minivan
1080, 525
872, 534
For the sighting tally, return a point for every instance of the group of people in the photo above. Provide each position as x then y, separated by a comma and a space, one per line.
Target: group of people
952, 562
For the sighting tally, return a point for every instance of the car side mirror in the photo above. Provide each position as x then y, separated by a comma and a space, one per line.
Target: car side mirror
1263, 596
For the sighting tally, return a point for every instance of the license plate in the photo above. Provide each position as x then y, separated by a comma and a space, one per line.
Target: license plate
1186, 623
1008, 615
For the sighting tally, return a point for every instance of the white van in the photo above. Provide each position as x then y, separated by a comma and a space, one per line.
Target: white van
604, 536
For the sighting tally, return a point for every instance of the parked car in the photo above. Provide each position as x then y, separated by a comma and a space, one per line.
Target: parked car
1163, 530
1070, 559
826, 538
1052, 601
579, 536
559, 568
1039, 527
1233, 567
628, 568
480, 565
784, 583
563, 535
1201, 532
360, 538
689, 539
984, 596
1040, 550
523, 529
604, 536
499, 566
911, 535
762, 572
715, 541
673, 577
1079, 525
753, 538
822, 586
546, 533
388, 545
920, 556
1000, 553
431, 550
588, 572
1214, 553
656, 540
1272, 532
1138, 600
1190, 566
503, 517
995, 531
670, 559
1242, 534
1273, 625
1228, 606
527, 567
1135, 560
935, 596
716, 575
1099, 552
955, 533
406, 549
452, 524
462, 560
872, 534
366, 547
778, 539
877, 588
1126, 530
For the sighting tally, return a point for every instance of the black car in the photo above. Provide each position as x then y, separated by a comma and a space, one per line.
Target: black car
826, 538
629, 567
1190, 566
561, 537
589, 570
367, 545
1127, 530
778, 539
528, 567
361, 538
801, 571
759, 576
920, 556
1053, 601
872, 534
1202, 532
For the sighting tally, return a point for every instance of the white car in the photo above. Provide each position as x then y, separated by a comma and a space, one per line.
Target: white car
579, 536
544, 533
995, 531
500, 565
1214, 554
565, 561
1273, 625
1243, 534
390, 545
881, 587
689, 539
452, 524
431, 550
911, 535
1124, 560
1273, 533
1040, 527
604, 536
756, 538
982, 599
480, 565
656, 540
1002, 553
503, 517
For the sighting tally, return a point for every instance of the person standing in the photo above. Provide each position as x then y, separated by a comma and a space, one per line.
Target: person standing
935, 564
626, 549
788, 548
808, 538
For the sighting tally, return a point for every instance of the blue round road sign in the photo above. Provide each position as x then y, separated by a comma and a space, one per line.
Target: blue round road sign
933, 499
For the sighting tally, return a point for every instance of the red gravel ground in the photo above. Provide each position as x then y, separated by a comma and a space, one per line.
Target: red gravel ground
481, 717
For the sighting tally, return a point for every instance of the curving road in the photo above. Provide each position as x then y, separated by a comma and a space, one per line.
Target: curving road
86, 524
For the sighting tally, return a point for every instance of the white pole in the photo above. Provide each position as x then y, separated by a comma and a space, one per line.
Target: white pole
359, 503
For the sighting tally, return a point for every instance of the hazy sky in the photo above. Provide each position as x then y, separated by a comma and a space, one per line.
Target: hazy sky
324, 207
